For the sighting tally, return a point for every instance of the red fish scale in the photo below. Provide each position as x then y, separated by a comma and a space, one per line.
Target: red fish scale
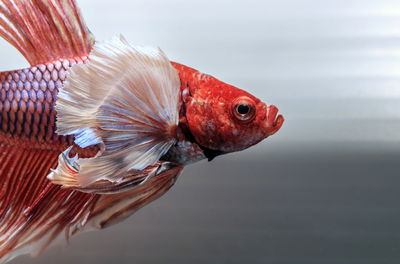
27, 101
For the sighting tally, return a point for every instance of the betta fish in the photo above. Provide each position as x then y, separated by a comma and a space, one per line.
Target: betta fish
93, 131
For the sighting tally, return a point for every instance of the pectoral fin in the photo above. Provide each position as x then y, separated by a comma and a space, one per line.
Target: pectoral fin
126, 100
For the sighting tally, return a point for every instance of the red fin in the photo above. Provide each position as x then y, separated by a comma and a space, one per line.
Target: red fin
45, 30
111, 209
33, 211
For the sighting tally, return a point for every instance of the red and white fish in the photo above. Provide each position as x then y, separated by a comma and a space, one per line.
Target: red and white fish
93, 131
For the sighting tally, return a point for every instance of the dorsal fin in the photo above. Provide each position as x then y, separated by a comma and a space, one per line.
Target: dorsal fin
45, 30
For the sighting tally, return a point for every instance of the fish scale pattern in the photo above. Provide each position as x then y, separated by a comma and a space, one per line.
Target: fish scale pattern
27, 101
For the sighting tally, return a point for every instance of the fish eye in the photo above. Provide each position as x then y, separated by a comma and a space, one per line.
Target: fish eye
244, 109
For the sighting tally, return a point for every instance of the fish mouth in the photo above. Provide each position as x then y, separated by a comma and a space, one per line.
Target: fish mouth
273, 121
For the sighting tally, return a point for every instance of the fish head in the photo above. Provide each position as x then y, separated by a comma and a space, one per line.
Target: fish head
224, 118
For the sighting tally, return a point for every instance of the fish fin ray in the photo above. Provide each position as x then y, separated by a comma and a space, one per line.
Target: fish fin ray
114, 208
45, 30
34, 212
125, 98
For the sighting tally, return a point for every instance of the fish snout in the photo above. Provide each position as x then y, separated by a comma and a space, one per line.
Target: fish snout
273, 122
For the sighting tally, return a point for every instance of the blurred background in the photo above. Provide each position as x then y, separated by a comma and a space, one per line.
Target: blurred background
325, 189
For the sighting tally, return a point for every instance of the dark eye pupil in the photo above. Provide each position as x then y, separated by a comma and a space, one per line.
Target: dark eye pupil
243, 109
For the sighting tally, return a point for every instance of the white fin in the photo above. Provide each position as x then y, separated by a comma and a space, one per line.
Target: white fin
126, 99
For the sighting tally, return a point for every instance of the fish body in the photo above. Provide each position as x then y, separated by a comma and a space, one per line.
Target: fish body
93, 131
28, 99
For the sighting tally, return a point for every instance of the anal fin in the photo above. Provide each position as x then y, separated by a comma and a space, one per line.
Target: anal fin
34, 212
111, 209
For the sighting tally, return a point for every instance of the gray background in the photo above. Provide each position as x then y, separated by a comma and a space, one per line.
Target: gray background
325, 189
